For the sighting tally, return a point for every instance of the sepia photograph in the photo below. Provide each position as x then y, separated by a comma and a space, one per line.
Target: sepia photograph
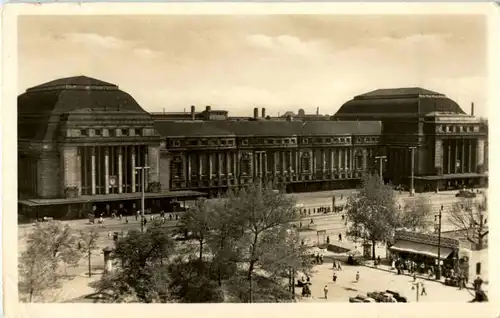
252, 158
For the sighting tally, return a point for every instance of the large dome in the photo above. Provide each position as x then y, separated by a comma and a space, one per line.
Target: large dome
398, 102
45, 103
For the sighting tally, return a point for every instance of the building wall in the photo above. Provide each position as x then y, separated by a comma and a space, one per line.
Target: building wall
70, 165
48, 168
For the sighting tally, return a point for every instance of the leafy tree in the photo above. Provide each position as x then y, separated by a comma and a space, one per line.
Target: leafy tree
141, 275
261, 212
196, 221
36, 272
59, 244
88, 244
372, 213
417, 214
468, 215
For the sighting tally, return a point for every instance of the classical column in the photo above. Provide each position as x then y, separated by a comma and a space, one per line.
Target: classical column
346, 162
106, 171
235, 163
200, 165
462, 157
351, 161
283, 162
276, 160
331, 160
210, 166
265, 163
219, 161
290, 163
323, 157
339, 161
92, 162
120, 172
469, 163
456, 156
450, 160
228, 164
147, 164
188, 158
315, 164
132, 166
261, 164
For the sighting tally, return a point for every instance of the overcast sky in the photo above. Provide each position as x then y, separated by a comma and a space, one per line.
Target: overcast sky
278, 62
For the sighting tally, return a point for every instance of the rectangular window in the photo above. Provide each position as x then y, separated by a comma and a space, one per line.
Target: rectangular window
112, 133
84, 132
137, 131
97, 132
124, 132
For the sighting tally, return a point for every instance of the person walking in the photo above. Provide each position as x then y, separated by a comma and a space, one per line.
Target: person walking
334, 278
357, 277
340, 237
325, 290
422, 287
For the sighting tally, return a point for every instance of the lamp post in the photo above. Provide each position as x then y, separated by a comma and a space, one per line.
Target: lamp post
438, 271
143, 177
381, 160
412, 173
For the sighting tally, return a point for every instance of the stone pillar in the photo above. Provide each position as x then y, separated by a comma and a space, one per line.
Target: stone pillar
365, 159
438, 154
106, 171
265, 163
228, 164
261, 164
297, 161
346, 164
283, 162
456, 156
462, 157
450, 160
71, 168
331, 159
290, 164
210, 166
220, 164
93, 169
469, 162
480, 153
200, 165
276, 160
323, 157
120, 170
235, 164
315, 164
188, 158
132, 166
351, 161
79, 172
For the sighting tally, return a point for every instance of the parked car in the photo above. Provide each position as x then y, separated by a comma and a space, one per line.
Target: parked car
465, 194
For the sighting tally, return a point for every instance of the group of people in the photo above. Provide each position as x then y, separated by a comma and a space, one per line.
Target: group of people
322, 209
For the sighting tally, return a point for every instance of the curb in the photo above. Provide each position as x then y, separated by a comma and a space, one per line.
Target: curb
421, 277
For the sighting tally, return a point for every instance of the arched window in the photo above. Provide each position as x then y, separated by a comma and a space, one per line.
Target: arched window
359, 161
176, 167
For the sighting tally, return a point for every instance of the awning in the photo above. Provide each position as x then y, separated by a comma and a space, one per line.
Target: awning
113, 197
421, 249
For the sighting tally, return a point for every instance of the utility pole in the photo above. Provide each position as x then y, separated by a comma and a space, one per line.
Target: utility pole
412, 168
381, 160
143, 188
438, 272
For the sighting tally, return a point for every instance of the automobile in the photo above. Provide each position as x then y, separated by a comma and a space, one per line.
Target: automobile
377, 296
399, 298
355, 300
465, 194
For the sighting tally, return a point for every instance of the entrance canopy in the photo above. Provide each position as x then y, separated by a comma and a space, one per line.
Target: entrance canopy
421, 249
114, 197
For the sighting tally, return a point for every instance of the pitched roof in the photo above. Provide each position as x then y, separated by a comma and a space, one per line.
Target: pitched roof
266, 128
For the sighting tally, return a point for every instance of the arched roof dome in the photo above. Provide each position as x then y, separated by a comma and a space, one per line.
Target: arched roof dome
410, 102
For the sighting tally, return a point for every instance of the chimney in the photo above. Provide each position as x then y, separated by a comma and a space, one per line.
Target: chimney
208, 108
193, 109
255, 113
317, 111
472, 109
263, 112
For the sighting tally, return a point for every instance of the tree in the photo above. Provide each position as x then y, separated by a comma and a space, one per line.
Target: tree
142, 273
88, 244
417, 214
468, 216
196, 221
36, 272
261, 213
59, 244
372, 213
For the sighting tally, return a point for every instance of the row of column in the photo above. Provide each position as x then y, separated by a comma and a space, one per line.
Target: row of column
459, 155
230, 159
119, 169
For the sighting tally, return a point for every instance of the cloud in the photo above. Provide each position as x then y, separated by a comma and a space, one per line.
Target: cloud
146, 53
107, 42
286, 44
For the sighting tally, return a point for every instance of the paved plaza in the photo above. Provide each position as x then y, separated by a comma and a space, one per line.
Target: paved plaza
375, 280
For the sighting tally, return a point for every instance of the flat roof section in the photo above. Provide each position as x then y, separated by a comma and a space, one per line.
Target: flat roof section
112, 197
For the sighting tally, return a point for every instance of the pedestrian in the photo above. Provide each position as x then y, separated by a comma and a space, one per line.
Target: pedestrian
340, 237
325, 290
357, 277
109, 234
137, 215
300, 225
422, 286
170, 217
321, 259
334, 265
101, 220
334, 277
414, 276
176, 216
120, 217
327, 237
126, 220
312, 222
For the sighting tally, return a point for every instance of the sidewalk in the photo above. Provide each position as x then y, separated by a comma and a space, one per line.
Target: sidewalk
387, 268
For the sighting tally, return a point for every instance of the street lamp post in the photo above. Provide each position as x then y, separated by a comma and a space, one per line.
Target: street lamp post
438, 271
381, 160
143, 177
412, 175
